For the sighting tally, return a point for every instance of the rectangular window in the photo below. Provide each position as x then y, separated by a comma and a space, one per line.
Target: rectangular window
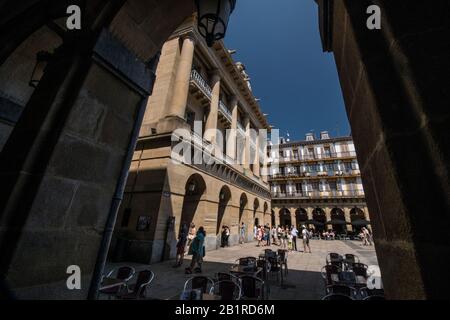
315, 185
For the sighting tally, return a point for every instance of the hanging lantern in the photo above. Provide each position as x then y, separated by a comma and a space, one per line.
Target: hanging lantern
213, 16
42, 58
192, 187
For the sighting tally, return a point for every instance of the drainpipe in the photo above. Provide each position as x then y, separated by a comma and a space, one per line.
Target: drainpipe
118, 194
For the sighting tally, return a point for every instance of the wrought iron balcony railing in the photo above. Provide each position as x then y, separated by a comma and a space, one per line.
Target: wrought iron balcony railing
201, 83
224, 110
318, 174
308, 157
319, 194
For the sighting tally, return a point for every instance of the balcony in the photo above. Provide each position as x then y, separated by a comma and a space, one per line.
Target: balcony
198, 80
315, 157
225, 112
316, 174
203, 86
318, 194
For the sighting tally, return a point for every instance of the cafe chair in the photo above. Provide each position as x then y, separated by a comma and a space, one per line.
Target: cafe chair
360, 270
337, 296
334, 259
330, 274
342, 289
350, 258
199, 282
247, 261
265, 267
220, 276
139, 289
275, 267
123, 273
252, 288
227, 290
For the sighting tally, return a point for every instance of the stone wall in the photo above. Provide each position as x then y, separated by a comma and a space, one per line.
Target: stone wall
393, 81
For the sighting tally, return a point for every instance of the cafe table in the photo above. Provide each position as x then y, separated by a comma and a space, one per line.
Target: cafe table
240, 270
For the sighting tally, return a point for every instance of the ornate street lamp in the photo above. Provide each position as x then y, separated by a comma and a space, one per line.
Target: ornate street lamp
213, 16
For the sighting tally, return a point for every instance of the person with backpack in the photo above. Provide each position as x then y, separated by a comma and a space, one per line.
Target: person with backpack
198, 252
306, 236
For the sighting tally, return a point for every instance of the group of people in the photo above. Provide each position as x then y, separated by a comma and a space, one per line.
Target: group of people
194, 240
328, 235
285, 237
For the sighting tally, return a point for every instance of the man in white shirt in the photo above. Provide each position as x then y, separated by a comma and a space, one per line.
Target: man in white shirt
294, 234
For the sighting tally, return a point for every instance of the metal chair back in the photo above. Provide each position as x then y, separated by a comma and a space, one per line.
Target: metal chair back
227, 290
252, 287
199, 282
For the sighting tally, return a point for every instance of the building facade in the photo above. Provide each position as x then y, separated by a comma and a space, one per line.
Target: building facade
204, 92
317, 182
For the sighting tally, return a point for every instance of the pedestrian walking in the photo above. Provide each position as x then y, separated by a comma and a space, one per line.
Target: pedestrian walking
242, 233
273, 232
306, 235
267, 234
198, 252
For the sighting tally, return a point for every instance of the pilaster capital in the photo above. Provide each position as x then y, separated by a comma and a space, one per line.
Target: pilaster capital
189, 36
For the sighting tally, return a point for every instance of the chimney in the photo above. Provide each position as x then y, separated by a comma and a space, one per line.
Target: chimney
324, 135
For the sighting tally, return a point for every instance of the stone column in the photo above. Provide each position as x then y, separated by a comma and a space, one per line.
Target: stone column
61, 166
177, 108
293, 217
328, 217
348, 219
231, 139
256, 165
277, 216
211, 121
247, 152
379, 69
265, 171
367, 217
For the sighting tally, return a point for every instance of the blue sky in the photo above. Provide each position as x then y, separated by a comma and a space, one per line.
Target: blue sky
279, 43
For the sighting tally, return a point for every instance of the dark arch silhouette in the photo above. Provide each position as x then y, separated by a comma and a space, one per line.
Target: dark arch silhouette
194, 189
224, 199
285, 217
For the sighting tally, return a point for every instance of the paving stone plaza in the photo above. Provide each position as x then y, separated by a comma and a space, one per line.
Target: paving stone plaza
303, 282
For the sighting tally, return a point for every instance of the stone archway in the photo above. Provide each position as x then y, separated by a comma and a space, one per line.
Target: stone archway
358, 219
319, 218
256, 216
194, 189
285, 218
301, 216
338, 222
243, 203
370, 64
223, 207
